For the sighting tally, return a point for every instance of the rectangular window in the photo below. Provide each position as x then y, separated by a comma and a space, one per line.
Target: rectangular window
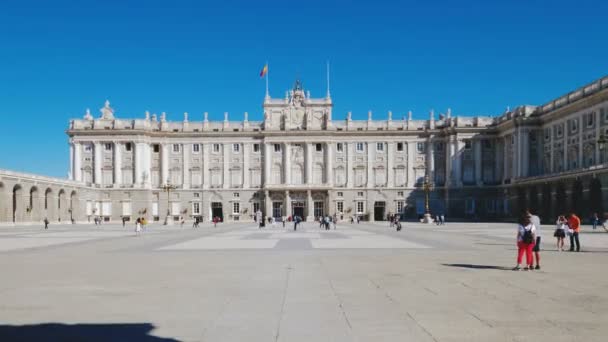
400, 193
360, 194
277, 147
108, 147
175, 148
236, 208
196, 148
340, 207
359, 147
400, 206
156, 148
256, 207
360, 207
379, 147
467, 144
216, 148
88, 148
590, 117
399, 147
196, 208
340, 194
197, 195
128, 147
319, 147
256, 148
236, 147
340, 147
235, 194
420, 147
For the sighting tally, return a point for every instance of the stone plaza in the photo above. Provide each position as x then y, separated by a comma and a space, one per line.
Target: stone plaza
235, 282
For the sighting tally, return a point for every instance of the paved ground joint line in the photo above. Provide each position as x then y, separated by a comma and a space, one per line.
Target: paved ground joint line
422, 327
333, 290
287, 276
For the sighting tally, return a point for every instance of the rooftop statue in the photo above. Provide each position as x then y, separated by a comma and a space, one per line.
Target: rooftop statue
87, 115
107, 113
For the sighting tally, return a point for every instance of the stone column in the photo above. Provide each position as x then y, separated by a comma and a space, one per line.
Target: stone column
370, 166
430, 160
206, 151
309, 148
226, 182
186, 148
524, 147
329, 164
287, 163
516, 153
246, 156
287, 204
565, 144
551, 156
72, 173
449, 155
117, 164
77, 162
411, 151
164, 164
267, 163
146, 165
350, 158
505, 156
598, 132
497, 155
309, 207
390, 162
580, 144
98, 158
478, 162
458, 162
138, 161
267, 204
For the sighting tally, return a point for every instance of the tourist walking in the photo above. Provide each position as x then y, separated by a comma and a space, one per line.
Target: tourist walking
138, 226
335, 221
258, 219
283, 219
46, 223
525, 243
296, 221
215, 221
575, 226
326, 220
560, 232
535, 220
595, 220
124, 221
442, 219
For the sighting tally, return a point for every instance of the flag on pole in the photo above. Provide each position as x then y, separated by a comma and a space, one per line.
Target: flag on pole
264, 71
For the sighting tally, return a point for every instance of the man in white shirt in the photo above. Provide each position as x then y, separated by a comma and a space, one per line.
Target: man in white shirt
535, 220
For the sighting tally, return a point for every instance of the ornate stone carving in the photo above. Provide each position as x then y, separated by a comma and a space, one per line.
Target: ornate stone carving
107, 113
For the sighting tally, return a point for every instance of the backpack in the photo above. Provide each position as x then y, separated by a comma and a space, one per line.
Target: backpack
527, 238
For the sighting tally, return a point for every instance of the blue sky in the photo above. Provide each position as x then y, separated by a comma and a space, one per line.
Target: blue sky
477, 57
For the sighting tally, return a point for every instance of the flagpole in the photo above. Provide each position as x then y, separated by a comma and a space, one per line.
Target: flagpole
267, 72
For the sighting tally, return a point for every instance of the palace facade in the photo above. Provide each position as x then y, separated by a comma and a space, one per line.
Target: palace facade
299, 161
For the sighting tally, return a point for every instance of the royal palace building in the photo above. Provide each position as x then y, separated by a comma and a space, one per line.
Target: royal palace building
299, 161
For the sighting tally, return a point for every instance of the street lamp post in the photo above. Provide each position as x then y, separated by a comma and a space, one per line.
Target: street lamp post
601, 144
168, 187
427, 187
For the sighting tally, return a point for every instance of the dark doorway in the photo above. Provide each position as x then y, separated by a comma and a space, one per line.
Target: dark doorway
595, 197
577, 199
560, 200
379, 211
521, 202
216, 210
546, 203
297, 208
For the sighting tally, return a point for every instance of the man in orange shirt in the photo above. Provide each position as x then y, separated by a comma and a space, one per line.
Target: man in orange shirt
575, 224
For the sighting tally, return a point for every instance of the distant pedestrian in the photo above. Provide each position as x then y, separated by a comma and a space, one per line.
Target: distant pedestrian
442, 219
259, 219
215, 221
335, 221
296, 221
46, 223
595, 220
525, 243
124, 221
352, 220
437, 220
560, 232
138, 226
575, 226
283, 219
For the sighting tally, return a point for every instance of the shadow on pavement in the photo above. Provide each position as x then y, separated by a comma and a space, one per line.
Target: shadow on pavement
479, 267
138, 332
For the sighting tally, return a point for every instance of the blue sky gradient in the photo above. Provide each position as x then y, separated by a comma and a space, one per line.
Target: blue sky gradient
477, 57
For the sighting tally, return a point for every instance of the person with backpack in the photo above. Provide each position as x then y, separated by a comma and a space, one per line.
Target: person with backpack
535, 220
525, 243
